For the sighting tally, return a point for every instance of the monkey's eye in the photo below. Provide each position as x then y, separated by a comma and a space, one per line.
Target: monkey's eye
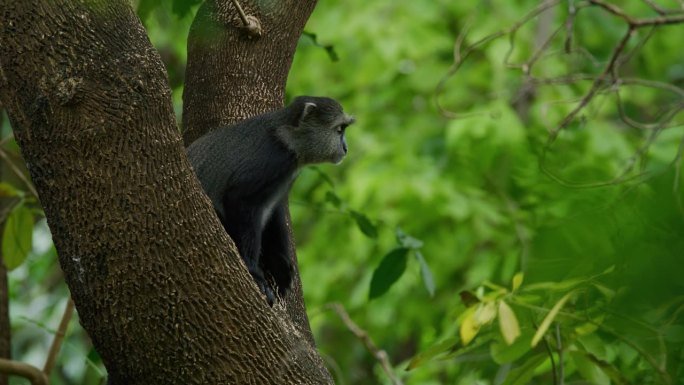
341, 128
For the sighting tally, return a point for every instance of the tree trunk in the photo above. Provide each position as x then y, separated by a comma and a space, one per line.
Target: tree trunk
157, 283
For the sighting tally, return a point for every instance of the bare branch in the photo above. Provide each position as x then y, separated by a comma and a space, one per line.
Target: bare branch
361, 334
29, 372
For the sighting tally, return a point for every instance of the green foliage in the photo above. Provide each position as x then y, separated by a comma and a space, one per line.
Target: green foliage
17, 236
536, 255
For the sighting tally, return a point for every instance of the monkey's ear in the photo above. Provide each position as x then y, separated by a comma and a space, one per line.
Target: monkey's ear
307, 110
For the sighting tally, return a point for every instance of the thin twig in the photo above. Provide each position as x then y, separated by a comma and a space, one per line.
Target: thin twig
59, 337
29, 372
361, 334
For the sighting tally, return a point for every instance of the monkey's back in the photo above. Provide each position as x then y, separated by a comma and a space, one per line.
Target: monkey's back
243, 163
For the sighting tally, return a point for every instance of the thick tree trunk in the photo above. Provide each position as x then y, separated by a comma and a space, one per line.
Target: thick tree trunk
157, 283
231, 76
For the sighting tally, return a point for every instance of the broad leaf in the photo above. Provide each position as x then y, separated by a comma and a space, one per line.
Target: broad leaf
390, 269
469, 326
17, 238
510, 329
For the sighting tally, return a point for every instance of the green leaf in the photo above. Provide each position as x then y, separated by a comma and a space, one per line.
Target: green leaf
390, 269
183, 7
8, 191
588, 369
485, 313
329, 49
365, 225
502, 353
145, 8
440, 348
549, 318
510, 329
333, 199
469, 326
17, 238
425, 273
524, 373
517, 281
407, 240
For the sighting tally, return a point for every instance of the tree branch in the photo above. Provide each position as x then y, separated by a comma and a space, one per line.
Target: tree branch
29, 372
379, 354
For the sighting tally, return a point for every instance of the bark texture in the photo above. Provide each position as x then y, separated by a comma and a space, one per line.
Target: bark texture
158, 285
231, 76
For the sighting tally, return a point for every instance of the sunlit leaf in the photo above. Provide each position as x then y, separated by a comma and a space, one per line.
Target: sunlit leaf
425, 273
364, 224
485, 313
469, 326
390, 269
517, 281
544, 326
17, 237
510, 329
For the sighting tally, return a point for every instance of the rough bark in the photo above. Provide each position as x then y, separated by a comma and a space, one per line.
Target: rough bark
231, 76
157, 283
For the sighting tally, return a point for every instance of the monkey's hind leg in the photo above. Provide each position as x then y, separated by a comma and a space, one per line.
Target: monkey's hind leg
249, 246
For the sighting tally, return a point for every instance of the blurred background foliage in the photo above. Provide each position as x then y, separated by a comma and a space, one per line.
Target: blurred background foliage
469, 246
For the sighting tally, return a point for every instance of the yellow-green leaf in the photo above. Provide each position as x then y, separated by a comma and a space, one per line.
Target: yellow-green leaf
510, 329
517, 281
469, 327
485, 313
549, 318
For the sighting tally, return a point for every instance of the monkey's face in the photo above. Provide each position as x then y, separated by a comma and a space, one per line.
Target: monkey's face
321, 133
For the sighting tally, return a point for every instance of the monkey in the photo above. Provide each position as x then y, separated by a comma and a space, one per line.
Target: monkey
248, 168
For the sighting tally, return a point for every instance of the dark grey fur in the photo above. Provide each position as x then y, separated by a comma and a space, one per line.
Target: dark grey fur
247, 170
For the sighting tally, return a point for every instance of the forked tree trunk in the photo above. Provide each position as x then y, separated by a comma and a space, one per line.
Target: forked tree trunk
157, 283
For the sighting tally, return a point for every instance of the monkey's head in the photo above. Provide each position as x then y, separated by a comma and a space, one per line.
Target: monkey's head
317, 133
